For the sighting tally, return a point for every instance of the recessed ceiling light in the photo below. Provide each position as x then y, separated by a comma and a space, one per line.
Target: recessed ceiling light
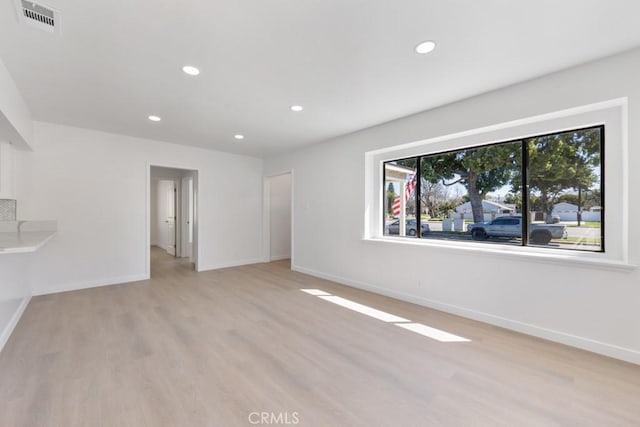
238, 136
192, 71
296, 108
425, 47
154, 118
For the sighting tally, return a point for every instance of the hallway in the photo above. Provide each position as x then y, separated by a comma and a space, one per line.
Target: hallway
164, 265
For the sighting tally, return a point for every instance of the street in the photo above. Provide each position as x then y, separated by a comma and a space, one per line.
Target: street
579, 238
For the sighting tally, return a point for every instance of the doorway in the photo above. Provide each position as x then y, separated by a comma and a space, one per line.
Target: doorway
172, 219
278, 218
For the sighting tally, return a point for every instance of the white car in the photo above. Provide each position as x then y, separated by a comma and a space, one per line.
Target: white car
411, 226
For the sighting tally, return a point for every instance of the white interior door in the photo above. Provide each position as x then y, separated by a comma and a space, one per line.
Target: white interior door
171, 217
280, 217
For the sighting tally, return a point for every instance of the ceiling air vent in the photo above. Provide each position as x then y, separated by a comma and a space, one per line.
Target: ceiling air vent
39, 16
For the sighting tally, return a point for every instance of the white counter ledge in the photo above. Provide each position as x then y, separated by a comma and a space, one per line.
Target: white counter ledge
25, 236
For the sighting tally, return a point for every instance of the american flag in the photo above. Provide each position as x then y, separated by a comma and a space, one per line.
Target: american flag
407, 193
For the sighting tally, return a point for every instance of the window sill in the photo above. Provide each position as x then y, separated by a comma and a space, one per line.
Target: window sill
546, 256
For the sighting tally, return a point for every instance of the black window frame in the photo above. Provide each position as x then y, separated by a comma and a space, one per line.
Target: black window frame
524, 173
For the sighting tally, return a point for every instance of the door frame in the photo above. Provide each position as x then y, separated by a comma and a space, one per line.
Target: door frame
196, 243
266, 215
184, 222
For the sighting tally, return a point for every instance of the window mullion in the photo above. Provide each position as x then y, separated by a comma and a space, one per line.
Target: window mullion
417, 195
524, 185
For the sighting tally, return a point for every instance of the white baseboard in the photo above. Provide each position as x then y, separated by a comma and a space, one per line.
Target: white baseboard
8, 330
606, 349
280, 257
126, 279
236, 263
89, 284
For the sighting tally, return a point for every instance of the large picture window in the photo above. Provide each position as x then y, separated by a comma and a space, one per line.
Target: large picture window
543, 190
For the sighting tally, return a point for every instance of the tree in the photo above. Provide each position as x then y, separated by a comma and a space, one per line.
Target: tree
561, 162
480, 170
391, 196
592, 198
514, 199
432, 196
448, 206
567, 198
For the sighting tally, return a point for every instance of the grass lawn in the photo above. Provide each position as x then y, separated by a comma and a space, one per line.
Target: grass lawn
586, 240
586, 224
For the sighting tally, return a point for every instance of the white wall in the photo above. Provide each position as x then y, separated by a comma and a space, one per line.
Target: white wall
15, 118
95, 185
582, 305
280, 216
7, 171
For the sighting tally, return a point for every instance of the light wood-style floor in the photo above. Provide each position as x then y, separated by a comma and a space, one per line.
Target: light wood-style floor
209, 349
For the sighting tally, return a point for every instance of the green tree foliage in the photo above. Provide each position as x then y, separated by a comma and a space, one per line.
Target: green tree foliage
445, 208
592, 198
480, 170
391, 196
514, 199
561, 162
557, 164
567, 198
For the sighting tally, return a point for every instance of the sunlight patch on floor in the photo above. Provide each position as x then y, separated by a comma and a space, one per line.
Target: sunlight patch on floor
364, 309
316, 292
430, 332
406, 324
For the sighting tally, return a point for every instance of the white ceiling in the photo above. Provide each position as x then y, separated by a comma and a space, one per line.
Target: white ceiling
350, 63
